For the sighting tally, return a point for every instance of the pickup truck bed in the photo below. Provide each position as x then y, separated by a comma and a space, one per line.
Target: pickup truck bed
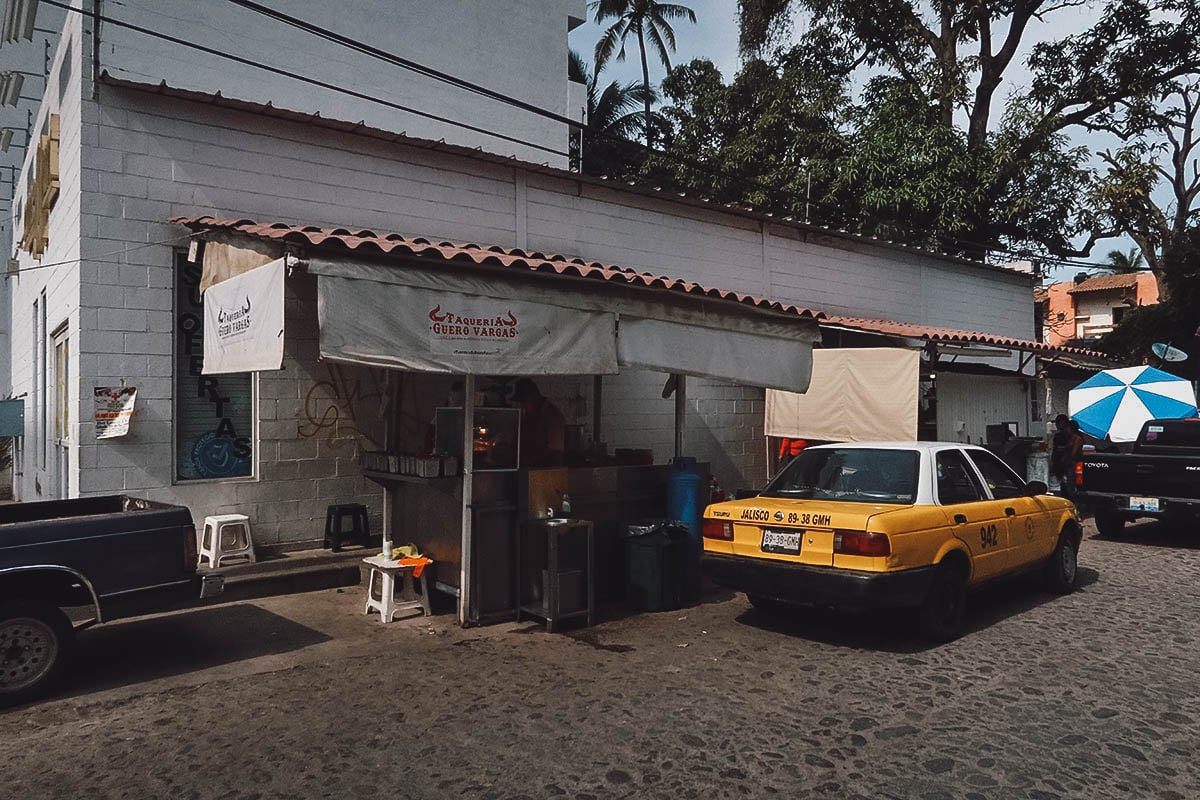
1159, 479
114, 556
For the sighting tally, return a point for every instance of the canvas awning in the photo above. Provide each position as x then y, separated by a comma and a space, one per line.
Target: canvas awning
857, 395
471, 323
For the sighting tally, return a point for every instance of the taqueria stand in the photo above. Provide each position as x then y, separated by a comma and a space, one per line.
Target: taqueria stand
454, 326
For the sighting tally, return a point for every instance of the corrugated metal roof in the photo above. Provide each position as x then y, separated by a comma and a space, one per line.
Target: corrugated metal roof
1102, 282
950, 335
368, 242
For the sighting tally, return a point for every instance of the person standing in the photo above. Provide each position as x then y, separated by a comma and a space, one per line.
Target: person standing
543, 428
1066, 447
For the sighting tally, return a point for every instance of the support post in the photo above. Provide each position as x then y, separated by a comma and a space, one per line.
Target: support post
680, 411
468, 477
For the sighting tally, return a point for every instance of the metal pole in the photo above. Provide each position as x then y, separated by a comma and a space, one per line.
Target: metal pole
680, 411
468, 471
597, 396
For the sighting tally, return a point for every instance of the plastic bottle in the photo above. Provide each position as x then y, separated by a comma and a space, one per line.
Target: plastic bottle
566, 505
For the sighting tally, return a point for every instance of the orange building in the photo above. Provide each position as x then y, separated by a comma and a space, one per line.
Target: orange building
1084, 310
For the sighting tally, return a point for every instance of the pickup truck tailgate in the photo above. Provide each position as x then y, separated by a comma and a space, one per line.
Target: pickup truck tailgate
1160, 475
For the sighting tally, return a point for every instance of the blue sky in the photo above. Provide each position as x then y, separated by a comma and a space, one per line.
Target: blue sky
714, 36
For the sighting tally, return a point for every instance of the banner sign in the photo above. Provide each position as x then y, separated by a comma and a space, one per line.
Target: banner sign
114, 407
433, 330
243, 321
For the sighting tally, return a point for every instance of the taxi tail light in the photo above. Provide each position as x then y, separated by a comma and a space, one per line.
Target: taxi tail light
1079, 473
717, 529
861, 543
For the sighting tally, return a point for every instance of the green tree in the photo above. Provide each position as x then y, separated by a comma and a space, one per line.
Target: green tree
1125, 263
650, 23
769, 138
949, 60
608, 144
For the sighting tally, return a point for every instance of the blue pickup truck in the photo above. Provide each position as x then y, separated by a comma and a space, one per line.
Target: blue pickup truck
68, 564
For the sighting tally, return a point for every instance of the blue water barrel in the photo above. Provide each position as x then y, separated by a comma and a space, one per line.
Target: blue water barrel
684, 504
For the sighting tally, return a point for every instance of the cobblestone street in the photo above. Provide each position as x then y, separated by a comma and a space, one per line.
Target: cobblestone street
1093, 695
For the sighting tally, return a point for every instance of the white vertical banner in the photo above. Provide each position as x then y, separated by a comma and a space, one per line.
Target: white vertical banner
243, 321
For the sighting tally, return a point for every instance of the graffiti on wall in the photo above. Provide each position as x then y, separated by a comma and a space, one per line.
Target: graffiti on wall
346, 408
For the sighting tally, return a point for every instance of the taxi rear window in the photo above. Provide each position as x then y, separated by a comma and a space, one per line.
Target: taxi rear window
853, 474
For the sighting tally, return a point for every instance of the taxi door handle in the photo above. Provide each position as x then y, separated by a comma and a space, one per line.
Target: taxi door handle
1010, 512
960, 519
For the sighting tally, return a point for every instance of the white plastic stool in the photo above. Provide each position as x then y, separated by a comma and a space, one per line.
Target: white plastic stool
387, 604
226, 536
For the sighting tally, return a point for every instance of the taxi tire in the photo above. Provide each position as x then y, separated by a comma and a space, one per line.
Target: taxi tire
769, 605
944, 612
1062, 570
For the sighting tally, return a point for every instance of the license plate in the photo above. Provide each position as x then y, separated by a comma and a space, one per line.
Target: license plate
1144, 504
786, 542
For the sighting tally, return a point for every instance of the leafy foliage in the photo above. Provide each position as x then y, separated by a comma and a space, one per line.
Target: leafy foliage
615, 117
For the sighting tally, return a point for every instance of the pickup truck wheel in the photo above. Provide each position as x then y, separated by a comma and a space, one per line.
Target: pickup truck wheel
944, 612
1109, 524
35, 641
1062, 570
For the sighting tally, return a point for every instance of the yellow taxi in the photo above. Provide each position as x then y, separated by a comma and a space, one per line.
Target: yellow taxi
873, 524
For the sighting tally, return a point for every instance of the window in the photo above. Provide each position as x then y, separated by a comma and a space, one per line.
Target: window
43, 385
956, 481
214, 414
850, 474
999, 477
1118, 314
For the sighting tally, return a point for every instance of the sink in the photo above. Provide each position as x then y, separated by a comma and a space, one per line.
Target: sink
559, 521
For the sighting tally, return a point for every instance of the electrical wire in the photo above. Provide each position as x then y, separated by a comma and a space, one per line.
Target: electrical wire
392, 58
105, 256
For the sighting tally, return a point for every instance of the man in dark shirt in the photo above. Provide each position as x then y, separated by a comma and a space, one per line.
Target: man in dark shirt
543, 428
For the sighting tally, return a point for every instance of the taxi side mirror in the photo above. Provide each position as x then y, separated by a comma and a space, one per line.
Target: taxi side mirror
1034, 488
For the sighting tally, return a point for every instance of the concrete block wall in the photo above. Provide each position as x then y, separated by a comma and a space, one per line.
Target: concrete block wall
148, 158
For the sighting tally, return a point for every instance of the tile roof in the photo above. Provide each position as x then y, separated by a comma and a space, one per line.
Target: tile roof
1102, 282
950, 335
367, 242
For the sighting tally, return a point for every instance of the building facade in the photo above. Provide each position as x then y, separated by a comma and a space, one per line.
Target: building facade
133, 131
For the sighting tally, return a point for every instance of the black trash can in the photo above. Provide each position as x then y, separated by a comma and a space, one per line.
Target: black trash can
654, 554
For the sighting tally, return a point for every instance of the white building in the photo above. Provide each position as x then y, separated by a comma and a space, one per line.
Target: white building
164, 110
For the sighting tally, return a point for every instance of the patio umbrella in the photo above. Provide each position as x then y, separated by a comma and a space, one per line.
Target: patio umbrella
1115, 402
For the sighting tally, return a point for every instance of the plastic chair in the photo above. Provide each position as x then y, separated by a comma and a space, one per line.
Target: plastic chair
226, 536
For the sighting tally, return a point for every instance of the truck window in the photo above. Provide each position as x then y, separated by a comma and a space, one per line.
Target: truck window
956, 481
1167, 434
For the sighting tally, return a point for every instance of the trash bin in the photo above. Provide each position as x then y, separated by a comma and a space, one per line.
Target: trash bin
654, 556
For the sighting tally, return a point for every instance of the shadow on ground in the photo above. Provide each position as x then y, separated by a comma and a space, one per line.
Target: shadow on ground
132, 651
1155, 533
895, 630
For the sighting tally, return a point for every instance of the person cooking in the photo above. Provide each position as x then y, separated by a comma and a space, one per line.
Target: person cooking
543, 429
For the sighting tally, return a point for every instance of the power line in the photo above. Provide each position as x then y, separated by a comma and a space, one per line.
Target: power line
296, 76
104, 256
344, 41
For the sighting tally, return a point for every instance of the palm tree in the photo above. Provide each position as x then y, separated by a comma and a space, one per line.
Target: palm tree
613, 119
1122, 263
648, 20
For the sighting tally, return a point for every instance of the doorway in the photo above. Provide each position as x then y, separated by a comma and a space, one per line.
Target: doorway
62, 423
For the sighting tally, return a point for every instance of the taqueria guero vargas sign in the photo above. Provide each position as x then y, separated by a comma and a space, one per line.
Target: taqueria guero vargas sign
471, 332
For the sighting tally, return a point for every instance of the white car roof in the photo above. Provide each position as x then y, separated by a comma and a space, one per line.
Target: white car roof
898, 445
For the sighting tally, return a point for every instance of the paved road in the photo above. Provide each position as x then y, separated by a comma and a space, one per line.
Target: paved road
1094, 695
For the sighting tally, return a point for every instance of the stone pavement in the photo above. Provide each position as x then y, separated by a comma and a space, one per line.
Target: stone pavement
1093, 695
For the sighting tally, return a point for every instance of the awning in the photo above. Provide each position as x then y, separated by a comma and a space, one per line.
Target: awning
857, 395
472, 323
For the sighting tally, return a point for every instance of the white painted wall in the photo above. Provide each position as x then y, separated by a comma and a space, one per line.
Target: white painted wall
516, 49
982, 400
1097, 307
57, 274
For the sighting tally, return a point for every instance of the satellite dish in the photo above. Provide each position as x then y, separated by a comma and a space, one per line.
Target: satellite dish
1167, 353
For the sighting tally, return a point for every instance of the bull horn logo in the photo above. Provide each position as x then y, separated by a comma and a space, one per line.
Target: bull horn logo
511, 321
435, 316
246, 308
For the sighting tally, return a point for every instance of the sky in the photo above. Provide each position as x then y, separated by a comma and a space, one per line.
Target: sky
714, 36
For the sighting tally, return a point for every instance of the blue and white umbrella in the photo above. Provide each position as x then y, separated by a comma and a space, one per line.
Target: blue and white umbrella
1115, 402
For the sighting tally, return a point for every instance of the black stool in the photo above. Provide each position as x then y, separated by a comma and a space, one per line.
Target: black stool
335, 532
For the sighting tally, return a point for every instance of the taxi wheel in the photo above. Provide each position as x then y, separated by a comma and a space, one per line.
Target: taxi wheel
944, 612
769, 605
1062, 570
